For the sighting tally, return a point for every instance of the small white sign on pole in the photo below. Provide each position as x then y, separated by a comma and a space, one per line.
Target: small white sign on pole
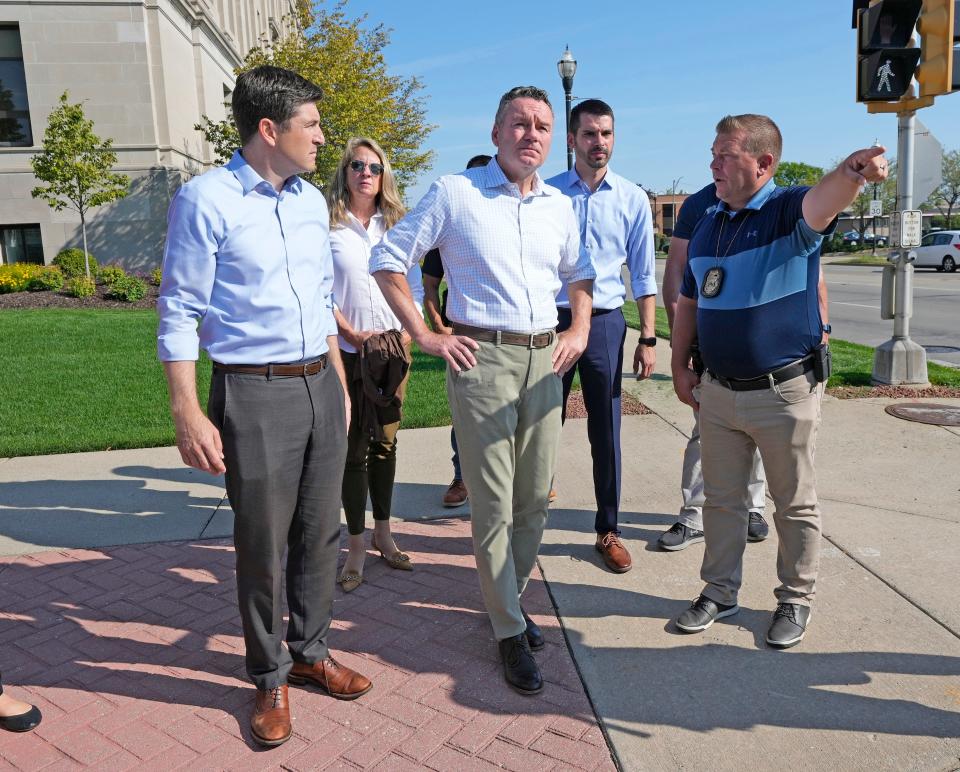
876, 208
911, 228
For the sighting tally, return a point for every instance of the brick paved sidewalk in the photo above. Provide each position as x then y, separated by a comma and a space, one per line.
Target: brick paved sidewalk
134, 655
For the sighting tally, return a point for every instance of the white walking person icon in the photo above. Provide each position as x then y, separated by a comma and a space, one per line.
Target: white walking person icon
884, 74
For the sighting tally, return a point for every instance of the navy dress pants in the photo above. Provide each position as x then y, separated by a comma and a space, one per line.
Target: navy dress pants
600, 368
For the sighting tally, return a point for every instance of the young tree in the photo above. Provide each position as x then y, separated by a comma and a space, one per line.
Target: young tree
75, 163
797, 173
360, 97
947, 196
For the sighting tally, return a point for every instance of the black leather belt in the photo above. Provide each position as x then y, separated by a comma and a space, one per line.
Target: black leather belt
787, 373
309, 368
530, 340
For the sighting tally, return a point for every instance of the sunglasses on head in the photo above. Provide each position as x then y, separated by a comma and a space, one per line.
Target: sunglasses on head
375, 169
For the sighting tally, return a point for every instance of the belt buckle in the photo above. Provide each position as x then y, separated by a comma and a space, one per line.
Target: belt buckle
498, 338
530, 338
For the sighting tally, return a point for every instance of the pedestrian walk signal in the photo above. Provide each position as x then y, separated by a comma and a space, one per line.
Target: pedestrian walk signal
886, 54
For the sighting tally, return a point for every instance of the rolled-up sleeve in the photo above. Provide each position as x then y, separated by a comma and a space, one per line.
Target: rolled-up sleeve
575, 263
414, 235
189, 268
641, 257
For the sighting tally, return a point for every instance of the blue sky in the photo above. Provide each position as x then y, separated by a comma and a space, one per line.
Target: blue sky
669, 70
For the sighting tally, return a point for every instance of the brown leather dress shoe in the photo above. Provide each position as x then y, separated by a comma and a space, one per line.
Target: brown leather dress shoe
614, 554
335, 679
456, 494
270, 721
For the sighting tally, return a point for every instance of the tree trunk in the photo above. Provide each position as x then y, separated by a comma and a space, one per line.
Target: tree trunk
86, 255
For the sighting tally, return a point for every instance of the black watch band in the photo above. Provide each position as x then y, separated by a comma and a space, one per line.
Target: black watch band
648, 341
827, 328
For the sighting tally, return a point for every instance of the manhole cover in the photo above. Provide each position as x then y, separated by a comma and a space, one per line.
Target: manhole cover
926, 413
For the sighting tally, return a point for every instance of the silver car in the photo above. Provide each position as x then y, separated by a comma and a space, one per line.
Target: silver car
940, 250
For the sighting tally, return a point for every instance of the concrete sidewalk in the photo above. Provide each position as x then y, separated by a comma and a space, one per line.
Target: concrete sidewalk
133, 651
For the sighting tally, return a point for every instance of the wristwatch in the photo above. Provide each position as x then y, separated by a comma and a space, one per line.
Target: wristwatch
827, 328
648, 341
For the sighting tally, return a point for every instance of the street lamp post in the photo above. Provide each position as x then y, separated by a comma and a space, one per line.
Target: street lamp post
567, 67
673, 199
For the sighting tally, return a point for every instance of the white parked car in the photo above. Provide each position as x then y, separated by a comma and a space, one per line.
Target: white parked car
940, 250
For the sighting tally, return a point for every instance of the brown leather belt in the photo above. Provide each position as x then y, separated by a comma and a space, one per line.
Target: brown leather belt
530, 340
310, 368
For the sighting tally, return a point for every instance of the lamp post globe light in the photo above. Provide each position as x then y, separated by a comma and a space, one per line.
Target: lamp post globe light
567, 67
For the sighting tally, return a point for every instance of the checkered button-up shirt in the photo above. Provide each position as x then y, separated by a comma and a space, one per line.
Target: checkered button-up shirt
504, 255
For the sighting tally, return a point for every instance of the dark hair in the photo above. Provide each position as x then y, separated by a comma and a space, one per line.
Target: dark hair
479, 160
521, 92
591, 107
269, 92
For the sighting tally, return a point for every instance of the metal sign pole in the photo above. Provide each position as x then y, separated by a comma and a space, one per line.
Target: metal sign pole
901, 360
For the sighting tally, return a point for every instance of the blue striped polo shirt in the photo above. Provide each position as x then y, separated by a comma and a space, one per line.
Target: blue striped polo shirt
766, 314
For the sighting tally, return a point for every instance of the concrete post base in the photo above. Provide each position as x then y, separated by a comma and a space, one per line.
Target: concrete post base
899, 361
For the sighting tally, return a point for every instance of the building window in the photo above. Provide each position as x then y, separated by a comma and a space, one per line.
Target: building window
20, 244
668, 211
15, 130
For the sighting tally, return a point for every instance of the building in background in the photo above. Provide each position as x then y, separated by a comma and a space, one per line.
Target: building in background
146, 72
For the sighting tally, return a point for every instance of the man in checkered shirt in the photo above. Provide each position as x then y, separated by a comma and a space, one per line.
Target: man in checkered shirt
507, 240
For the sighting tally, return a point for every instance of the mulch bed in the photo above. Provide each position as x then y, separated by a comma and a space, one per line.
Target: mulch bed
894, 392
629, 404
48, 299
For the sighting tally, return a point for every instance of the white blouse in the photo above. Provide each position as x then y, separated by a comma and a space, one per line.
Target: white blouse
355, 292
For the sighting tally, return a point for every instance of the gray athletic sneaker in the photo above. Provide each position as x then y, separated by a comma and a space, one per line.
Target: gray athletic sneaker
679, 537
703, 613
757, 528
788, 626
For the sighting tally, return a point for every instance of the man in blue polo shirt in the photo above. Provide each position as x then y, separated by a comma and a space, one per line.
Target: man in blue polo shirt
749, 294
616, 227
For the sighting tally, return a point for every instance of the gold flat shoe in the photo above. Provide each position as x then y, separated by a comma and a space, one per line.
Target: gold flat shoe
399, 560
350, 581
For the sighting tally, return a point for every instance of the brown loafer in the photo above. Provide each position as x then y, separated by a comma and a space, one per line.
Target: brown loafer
335, 679
456, 494
270, 721
614, 554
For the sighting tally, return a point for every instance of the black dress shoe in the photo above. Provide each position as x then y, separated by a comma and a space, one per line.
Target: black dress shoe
519, 667
533, 633
22, 723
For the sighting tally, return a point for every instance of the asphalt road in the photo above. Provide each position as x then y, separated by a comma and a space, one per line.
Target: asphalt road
854, 292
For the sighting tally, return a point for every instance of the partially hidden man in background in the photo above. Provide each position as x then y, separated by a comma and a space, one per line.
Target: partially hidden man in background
248, 257
616, 227
507, 240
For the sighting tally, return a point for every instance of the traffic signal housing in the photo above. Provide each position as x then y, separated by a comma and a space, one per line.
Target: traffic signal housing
886, 55
938, 28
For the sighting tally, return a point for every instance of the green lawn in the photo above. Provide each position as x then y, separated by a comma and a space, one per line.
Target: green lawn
76, 380
90, 380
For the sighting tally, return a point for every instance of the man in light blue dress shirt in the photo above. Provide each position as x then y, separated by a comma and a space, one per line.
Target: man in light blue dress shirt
507, 241
247, 258
616, 228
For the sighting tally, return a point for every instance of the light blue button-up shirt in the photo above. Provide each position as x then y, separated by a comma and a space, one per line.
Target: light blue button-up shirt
616, 227
252, 266
504, 255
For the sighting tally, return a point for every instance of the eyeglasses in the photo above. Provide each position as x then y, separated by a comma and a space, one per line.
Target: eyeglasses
375, 169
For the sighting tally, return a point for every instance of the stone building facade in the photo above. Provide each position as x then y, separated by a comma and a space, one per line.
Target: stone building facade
146, 72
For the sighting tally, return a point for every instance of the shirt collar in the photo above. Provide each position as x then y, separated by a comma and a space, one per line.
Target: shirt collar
250, 180
376, 222
757, 200
574, 180
495, 178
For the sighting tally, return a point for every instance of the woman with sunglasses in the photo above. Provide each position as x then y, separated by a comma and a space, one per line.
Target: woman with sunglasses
364, 204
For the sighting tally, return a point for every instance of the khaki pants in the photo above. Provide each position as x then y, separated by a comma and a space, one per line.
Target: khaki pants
506, 412
782, 422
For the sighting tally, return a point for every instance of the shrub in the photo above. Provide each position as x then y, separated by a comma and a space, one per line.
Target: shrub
70, 261
128, 289
49, 278
79, 287
109, 274
17, 277
156, 276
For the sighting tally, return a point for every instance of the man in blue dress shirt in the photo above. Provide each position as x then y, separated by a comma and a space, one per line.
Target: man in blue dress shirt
248, 258
616, 227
